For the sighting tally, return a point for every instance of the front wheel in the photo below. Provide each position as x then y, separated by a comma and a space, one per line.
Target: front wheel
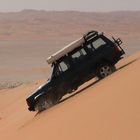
56, 99
43, 104
105, 70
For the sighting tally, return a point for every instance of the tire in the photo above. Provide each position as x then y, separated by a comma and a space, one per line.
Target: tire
56, 99
104, 70
43, 104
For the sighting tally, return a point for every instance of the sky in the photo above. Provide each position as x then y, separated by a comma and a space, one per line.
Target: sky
78, 5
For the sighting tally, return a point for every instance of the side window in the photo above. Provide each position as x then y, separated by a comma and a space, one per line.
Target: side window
83, 52
79, 55
76, 55
64, 66
98, 43
90, 48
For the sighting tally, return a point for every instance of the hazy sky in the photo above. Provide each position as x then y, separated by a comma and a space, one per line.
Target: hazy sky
80, 5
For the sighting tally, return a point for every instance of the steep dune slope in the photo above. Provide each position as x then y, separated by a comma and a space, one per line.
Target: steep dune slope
108, 109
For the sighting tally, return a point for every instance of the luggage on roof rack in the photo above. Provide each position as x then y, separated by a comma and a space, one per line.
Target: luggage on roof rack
90, 35
70, 47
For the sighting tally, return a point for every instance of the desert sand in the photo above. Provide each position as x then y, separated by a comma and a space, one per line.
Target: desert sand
99, 110
108, 109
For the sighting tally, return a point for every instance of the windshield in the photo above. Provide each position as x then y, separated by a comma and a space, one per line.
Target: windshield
52, 73
55, 71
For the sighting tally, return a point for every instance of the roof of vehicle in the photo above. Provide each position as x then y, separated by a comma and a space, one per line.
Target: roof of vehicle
70, 47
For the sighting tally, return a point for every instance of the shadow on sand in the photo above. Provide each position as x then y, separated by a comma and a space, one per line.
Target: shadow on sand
74, 94
128, 64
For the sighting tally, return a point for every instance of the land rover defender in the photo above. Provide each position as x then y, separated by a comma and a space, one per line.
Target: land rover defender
91, 55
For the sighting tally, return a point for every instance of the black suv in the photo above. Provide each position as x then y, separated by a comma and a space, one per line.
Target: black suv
91, 55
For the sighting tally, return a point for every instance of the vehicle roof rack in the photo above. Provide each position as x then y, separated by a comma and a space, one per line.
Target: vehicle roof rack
90, 35
70, 47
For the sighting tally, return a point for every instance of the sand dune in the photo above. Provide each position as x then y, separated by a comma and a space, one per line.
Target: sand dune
106, 110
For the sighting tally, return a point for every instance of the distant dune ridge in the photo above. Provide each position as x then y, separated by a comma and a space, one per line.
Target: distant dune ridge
65, 26
53, 25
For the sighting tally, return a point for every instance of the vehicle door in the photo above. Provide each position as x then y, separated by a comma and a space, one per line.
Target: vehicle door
96, 50
79, 65
63, 76
101, 47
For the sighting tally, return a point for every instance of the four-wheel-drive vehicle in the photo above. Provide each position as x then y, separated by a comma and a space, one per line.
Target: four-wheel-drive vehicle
91, 55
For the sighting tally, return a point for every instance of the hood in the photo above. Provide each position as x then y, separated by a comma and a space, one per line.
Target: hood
40, 90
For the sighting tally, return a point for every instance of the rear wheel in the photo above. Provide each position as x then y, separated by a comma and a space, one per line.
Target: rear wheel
105, 70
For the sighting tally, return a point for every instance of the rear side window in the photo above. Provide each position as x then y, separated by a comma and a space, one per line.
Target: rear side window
83, 52
98, 43
78, 55
90, 48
